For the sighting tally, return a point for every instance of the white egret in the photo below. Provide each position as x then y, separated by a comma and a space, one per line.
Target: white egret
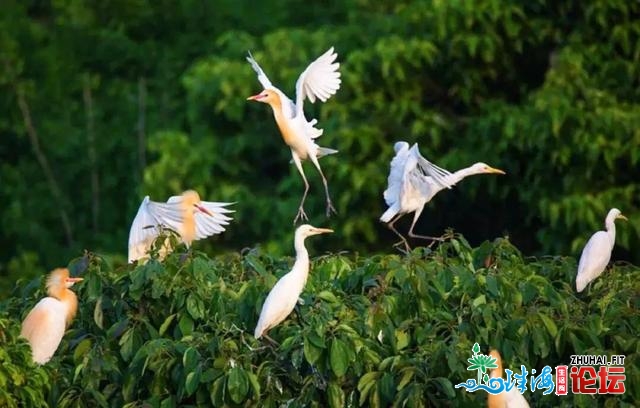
596, 254
283, 296
45, 324
320, 80
506, 399
414, 181
185, 214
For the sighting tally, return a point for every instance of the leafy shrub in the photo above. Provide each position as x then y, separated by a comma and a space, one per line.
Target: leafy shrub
386, 330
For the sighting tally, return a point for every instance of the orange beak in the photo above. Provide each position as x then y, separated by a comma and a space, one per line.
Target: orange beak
74, 280
254, 97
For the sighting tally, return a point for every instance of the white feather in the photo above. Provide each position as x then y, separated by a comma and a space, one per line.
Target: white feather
320, 80
44, 327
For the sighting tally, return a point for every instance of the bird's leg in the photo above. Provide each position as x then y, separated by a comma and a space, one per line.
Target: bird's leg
272, 341
301, 214
330, 208
403, 239
412, 235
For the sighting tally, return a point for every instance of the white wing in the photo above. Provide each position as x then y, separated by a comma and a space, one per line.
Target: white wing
594, 259
320, 80
44, 327
427, 169
146, 225
262, 77
279, 304
396, 174
207, 225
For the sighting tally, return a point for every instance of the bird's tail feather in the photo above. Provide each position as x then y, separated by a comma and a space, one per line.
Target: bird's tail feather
389, 214
324, 151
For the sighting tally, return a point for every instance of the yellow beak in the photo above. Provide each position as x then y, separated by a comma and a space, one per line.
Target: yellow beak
492, 170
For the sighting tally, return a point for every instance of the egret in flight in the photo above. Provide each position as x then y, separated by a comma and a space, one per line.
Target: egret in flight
320, 80
414, 181
283, 296
45, 324
185, 214
596, 254
506, 399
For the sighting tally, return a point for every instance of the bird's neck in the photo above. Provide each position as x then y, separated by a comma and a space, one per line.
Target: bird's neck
611, 230
456, 176
188, 226
69, 299
301, 266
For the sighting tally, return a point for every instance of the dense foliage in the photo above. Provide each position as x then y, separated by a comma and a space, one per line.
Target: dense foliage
383, 331
105, 102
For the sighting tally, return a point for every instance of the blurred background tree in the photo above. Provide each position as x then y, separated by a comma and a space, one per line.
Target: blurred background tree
106, 102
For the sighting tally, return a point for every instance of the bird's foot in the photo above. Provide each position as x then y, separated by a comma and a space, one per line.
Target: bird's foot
406, 249
330, 209
302, 216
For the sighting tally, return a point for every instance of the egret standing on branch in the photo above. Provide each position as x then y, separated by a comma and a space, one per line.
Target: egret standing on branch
320, 80
414, 181
283, 296
507, 399
45, 324
185, 214
596, 254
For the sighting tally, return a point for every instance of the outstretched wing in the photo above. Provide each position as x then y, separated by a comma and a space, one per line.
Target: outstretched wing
207, 225
397, 173
262, 77
320, 80
146, 225
425, 168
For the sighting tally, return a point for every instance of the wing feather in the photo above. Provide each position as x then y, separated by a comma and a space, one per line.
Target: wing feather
594, 259
207, 225
146, 226
396, 174
262, 77
439, 175
321, 79
44, 327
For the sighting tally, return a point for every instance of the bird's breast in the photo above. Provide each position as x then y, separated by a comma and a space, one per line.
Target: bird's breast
292, 136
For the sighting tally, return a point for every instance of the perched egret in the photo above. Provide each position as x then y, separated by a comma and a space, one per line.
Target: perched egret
506, 399
414, 181
45, 324
320, 80
596, 254
283, 296
186, 214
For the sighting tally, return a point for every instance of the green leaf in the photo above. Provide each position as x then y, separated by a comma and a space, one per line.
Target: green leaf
311, 352
402, 339
186, 325
190, 359
166, 323
339, 357
192, 381
335, 396
327, 296
195, 306
97, 313
549, 324
237, 384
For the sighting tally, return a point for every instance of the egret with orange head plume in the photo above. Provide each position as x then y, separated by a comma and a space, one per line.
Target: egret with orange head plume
45, 324
414, 181
185, 214
320, 80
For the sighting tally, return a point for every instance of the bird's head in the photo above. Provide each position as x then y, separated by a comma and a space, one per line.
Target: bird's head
616, 214
307, 230
266, 96
59, 278
191, 199
483, 168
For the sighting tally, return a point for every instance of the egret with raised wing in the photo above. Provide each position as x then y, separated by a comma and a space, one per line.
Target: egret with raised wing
506, 399
185, 214
45, 324
320, 80
597, 253
283, 296
413, 181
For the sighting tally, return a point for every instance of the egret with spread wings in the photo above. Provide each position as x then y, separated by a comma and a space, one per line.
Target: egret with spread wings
185, 214
414, 181
320, 80
597, 253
